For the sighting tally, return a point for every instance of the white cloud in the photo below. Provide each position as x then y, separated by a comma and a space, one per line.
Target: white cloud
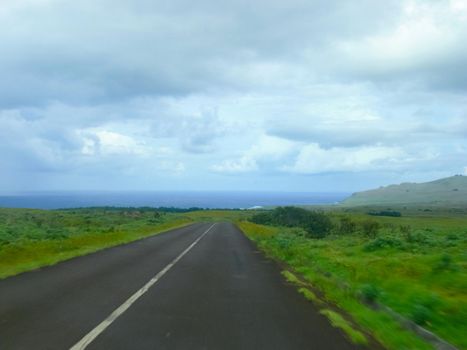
242, 165
313, 159
105, 142
424, 47
459, 7
266, 150
171, 167
271, 148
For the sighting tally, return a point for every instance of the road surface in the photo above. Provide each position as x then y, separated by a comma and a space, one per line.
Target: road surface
204, 286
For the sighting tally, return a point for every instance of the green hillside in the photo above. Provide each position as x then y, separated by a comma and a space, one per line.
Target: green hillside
451, 191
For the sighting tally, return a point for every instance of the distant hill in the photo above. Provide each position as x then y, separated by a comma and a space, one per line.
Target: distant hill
450, 191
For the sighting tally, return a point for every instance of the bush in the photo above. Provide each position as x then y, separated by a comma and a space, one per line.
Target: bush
284, 241
390, 227
370, 228
289, 216
316, 224
262, 219
420, 314
420, 238
347, 226
5, 240
370, 293
298, 232
424, 306
452, 237
386, 213
382, 243
55, 234
406, 231
445, 264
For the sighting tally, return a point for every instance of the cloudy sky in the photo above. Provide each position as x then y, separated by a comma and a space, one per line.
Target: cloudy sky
296, 95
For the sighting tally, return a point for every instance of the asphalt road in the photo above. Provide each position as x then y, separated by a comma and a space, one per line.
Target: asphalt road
197, 287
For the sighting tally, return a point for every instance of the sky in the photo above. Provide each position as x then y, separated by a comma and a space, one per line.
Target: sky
296, 95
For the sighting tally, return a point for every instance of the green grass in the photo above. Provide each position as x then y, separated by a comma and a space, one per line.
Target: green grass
309, 295
290, 277
218, 215
303, 287
339, 322
421, 274
30, 239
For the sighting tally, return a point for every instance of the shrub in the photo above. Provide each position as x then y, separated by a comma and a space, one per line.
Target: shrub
444, 264
424, 307
289, 216
420, 238
347, 226
262, 219
382, 243
369, 293
55, 234
370, 228
405, 229
284, 241
452, 237
390, 227
420, 314
316, 224
5, 240
386, 213
298, 231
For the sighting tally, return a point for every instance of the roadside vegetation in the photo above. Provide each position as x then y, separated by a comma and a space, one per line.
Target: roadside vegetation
33, 238
377, 266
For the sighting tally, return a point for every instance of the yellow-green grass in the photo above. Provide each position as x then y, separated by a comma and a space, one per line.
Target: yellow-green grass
218, 215
290, 277
309, 295
28, 247
338, 321
412, 277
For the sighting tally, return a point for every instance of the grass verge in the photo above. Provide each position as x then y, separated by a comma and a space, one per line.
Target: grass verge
338, 269
338, 321
25, 245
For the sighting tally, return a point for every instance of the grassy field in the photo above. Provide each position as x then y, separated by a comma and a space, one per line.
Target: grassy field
33, 238
415, 265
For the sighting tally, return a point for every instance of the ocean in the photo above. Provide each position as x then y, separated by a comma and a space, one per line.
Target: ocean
179, 199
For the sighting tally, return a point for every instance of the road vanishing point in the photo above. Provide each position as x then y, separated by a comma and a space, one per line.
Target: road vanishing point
203, 286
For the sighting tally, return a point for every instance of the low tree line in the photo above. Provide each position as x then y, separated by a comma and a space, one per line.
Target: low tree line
318, 224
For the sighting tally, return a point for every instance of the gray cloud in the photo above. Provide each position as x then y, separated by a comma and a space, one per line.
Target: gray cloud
422, 49
156, 91
83, 53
